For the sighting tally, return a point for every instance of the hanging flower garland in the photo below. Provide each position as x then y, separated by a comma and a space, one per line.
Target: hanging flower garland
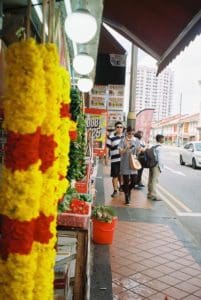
53, 185
31, 187
22, 182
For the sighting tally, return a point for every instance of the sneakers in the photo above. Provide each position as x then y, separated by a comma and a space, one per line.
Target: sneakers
141, 185
114, 194
127, 203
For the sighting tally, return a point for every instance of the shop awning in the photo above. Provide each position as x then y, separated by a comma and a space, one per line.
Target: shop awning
161, 28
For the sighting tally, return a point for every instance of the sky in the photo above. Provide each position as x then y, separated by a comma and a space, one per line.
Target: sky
187, 72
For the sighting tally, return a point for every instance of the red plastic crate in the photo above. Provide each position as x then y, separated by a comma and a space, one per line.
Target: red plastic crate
74, 220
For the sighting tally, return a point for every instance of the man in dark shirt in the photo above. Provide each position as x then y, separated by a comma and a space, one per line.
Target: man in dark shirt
112, 146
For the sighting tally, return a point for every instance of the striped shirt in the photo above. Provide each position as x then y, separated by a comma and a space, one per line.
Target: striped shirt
113, 143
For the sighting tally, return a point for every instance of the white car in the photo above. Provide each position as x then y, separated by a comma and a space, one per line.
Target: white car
191, 154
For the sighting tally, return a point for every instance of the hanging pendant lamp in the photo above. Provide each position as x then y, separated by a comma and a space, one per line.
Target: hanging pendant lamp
80, 26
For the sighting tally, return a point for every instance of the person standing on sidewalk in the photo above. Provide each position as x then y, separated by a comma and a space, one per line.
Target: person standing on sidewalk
154, 172
138, 135
112, 147
127, 146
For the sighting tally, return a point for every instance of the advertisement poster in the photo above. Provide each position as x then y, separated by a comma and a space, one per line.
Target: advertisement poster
96, 123
115, 116
115, 97
143, 122
98, 97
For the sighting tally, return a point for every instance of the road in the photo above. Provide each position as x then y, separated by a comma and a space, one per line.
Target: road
180, 188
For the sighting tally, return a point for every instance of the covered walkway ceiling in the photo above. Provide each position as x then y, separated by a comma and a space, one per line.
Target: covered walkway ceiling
161, 28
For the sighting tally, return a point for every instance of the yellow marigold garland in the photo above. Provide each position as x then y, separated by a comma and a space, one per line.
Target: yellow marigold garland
31, 276
20, 193
25, 100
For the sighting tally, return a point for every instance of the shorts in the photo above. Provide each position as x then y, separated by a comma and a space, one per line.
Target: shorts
115, 169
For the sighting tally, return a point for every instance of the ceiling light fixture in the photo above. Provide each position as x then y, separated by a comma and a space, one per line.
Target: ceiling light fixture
85, 84
83, 63
80, 26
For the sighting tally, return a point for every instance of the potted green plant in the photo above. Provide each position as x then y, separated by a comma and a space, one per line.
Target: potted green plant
104, 220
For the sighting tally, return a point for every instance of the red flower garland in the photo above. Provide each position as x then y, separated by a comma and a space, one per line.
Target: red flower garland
42, 233
21, 150
46, 151
18, 237
64, 111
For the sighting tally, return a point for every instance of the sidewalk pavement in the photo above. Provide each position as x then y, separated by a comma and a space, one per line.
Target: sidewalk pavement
151, 257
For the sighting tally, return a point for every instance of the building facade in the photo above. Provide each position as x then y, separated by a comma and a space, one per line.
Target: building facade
178, 129
154, 92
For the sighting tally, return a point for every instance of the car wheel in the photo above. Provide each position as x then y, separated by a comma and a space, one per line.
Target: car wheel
194, 166
182, 163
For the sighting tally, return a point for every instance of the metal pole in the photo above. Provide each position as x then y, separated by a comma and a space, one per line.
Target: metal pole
131, 118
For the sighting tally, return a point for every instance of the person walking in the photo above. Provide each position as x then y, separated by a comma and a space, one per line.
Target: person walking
112, 148
138, 135
127, 146
154, 172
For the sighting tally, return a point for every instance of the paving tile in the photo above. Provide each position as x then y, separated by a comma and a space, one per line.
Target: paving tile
195, 281
174, 265
170, 280
127, 283
159, 259
137, 267
184, 261
124, 261
164, 269
160, 296
169, 256
146, 268
125, 271
128, 295
141, 278
182, 276
191, 297
153, 273
198, 293
115, 276
187, 287
190, 271
143, 290
117, 289
149, 263
136, 257
196, 266
157, 285
145, 254
175, 293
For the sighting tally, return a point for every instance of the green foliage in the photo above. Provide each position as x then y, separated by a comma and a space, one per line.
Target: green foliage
77, 168
103, 213
76, 103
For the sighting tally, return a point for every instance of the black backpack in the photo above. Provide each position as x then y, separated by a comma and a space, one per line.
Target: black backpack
148, 158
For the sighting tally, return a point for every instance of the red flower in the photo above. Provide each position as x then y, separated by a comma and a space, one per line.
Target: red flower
16, 236
42, 232
46, 151
64, 110
73, 135
21, 150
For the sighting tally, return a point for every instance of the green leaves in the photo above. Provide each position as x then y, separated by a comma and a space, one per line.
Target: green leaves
103, 213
